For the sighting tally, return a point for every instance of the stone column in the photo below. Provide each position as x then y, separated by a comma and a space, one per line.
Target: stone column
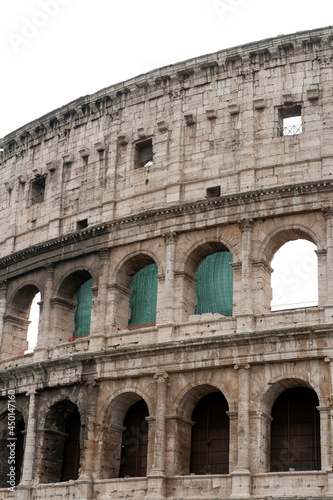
24, 488
3, 302
156, 478
50, 269
328, 215
169, 283
88, 466
185, 292
30, 441
246, 227
262, 290
118, 307
97, 331
329, 430
233, 440
264, 443
245, 318
104, 256
44, 339
325, 415
322, 288
241, 476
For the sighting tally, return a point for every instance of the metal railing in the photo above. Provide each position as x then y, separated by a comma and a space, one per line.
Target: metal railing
292, 130
293, 305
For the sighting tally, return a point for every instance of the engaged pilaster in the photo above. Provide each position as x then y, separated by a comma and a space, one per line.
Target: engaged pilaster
328, 215
104, 257
88, 467
325, 448
241, 476
326, 433
30, 441
49, 276
156, 478
44, 339
98, 320
169, 283
3, 301
245, 318
159, 449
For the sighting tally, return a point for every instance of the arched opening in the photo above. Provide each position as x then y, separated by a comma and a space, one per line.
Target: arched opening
295, 431
143, 300
18, 319
210, 436
34, 323
215, 285
73, 307
123, 450
84, 302
71, 455
135, 293
11, 454
133, 461
294, 280
206, 282
60, 451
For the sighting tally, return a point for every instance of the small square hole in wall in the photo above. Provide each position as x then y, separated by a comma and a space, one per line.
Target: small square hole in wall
81, 224
290, 120
213, 192
143, 156
38, 190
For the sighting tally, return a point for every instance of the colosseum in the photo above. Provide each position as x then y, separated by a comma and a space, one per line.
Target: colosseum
147, 216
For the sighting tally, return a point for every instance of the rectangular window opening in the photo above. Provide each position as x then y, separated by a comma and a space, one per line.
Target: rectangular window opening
290, 121
38, 190
81, 224
143, 154
213, 192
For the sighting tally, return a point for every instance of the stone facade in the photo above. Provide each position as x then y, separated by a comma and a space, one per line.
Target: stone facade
168, 168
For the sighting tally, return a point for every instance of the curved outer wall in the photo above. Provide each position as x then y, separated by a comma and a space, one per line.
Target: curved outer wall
77, 203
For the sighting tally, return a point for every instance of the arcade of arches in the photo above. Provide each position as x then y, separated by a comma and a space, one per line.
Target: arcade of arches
206, 439
212, 289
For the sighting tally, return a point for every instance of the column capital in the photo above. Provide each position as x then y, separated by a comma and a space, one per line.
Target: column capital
170, 237
104, 253
245, 224
161, 375
323, 409
327, 212
4, 285
31, 392
50, 268
246, 366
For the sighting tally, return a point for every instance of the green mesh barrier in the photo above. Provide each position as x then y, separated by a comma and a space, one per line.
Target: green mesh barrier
215, 282
144, 296
84, 302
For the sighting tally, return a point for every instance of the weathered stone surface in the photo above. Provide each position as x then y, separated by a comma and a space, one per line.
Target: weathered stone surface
169, 168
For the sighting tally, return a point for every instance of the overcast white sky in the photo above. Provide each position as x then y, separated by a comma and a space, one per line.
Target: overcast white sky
54, 51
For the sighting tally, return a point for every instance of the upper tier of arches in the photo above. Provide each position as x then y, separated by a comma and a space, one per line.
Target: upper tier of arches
177, 275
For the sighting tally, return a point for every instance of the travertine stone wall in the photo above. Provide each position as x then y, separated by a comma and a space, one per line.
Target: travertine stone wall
212, 120
76, 204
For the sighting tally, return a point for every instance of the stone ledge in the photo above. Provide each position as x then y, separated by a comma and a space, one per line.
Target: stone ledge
236, 199
12, 367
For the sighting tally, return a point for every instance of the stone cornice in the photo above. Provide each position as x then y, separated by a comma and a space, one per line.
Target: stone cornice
197, 71
222, 202
54, 243
11, 370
